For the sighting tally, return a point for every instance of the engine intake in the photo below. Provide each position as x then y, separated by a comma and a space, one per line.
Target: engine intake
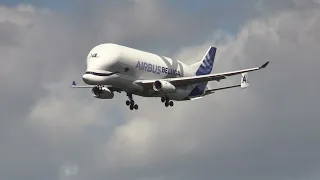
102, 93
163, 86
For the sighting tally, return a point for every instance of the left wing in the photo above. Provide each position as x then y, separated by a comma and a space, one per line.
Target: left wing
199, 79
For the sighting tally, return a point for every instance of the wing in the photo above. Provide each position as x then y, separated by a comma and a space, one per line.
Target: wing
74, 85
210, 91
199, 79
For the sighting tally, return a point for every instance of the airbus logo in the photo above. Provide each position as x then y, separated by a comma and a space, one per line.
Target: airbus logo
156, 69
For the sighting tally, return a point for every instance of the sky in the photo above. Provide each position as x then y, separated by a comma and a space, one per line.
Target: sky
268, 131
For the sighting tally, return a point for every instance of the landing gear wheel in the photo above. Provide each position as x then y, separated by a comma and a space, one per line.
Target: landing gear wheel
171, 103
163, 99
166, 104
131, 102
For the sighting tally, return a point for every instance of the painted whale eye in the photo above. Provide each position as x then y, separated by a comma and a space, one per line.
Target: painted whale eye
126, 69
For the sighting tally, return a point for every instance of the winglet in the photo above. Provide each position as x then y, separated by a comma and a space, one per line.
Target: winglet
264, 65
74, 83
244, 80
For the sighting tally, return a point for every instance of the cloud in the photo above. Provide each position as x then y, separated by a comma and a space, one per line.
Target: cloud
268, 131
60, 112
68, 171
246, 134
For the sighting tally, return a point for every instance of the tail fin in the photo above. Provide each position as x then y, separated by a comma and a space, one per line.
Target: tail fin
202, 68
205, 66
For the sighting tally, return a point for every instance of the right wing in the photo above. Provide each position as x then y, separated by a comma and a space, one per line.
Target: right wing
243, 84
199, 79
210, 91
74, 85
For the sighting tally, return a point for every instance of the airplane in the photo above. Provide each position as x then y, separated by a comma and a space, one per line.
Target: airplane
116, 68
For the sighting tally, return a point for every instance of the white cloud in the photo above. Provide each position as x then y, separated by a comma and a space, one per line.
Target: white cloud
68, 170
19, 16
61, 112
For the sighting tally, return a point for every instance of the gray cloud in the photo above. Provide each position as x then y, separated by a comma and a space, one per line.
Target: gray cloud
268, 131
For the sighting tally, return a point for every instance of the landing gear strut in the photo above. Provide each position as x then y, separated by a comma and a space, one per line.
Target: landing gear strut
131, 103
167, 101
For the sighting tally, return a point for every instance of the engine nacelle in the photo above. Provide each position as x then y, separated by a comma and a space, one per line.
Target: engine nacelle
164, 86
102, 93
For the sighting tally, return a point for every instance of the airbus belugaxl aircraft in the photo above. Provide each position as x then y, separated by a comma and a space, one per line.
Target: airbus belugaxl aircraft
115, 68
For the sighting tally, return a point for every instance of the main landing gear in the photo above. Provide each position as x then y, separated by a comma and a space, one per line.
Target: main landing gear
166, 101
131, 103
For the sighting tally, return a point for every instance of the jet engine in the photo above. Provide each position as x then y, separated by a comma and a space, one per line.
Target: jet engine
163, 86
102, 93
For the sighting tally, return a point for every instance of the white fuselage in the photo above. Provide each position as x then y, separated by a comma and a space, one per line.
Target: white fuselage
120, 66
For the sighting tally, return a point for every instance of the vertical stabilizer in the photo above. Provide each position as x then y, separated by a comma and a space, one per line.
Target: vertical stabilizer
202, 68
205, 66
